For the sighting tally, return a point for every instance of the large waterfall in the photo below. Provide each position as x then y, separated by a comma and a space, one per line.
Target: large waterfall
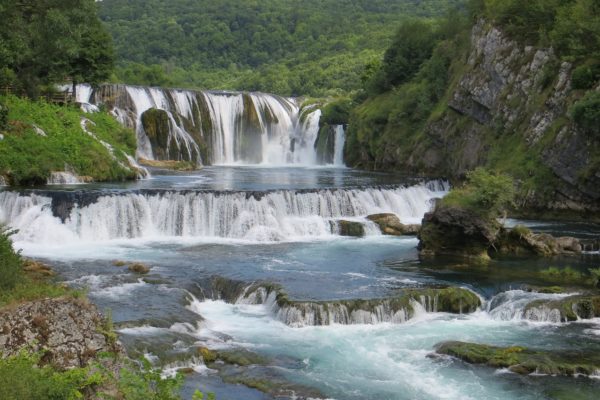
214, 127
282, 215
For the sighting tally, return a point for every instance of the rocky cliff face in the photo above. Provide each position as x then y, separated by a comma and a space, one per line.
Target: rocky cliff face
507, 108
66, 329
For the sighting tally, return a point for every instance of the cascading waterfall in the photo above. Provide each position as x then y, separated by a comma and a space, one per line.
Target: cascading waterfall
266, 216
523, 305
235, 128
340, 140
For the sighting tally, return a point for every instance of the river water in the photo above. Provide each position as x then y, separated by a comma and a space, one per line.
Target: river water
253, 224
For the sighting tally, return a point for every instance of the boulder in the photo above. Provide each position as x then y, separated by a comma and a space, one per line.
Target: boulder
139, 268
521, 241
351, 228
390, 225
523, 361
457, 232
67, 329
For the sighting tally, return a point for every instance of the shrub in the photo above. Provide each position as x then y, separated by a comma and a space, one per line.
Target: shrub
22, 378
484, 193
586, 113
11, 266
146, 383
585, 76
595, 277
337, 112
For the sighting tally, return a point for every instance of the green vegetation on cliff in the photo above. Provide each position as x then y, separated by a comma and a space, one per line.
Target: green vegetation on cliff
510, 86
39, 138
312, 47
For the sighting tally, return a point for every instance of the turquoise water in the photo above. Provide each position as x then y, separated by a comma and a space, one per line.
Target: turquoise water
160, 315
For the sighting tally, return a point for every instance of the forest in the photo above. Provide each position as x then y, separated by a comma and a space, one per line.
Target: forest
313, 47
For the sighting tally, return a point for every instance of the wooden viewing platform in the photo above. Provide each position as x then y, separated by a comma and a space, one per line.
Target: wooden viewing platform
64, 97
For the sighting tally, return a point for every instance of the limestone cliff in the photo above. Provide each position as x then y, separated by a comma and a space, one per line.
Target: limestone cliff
507, 107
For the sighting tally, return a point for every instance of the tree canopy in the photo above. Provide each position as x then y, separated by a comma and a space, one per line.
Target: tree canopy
313, 47
49, 41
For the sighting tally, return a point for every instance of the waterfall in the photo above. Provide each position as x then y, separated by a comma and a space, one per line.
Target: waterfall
397, 309
340, 140
233, 127
522, 305
282, 215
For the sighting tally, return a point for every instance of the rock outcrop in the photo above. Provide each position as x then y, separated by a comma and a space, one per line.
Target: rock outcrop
67, 330
351, 228
523, 361
456, 232
390, 225
507, 107
459, 232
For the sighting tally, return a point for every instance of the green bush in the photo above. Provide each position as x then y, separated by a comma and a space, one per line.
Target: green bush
585, 76
484, 193
11, 266
143, 382
586, 113
22, 379
337, 112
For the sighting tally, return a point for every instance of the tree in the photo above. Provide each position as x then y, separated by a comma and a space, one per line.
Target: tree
46, 41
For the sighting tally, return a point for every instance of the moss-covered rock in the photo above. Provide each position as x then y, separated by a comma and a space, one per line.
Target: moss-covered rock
569, 308
521, 241
521, 360
351, 228
458, 232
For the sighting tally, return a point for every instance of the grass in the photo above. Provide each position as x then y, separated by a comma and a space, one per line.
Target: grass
27, 157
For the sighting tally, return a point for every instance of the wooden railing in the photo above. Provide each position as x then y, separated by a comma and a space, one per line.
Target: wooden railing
54, 97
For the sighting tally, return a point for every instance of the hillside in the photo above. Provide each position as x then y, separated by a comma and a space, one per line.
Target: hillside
41, 142
315, 47
516, 90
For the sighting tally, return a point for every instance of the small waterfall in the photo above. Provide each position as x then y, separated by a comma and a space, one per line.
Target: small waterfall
340, 140
64, 178
235, 128
396, 310
522, 305
282, 215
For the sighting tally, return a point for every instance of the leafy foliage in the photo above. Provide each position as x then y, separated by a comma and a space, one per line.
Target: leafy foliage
485, 193
572, 27
46, 41
143, 382
318, 47
28, 158
21, 378
11, 266
586, 113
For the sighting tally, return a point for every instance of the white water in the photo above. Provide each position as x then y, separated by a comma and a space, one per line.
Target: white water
340, 140
63, 178
512, 305
276, 216
384, 361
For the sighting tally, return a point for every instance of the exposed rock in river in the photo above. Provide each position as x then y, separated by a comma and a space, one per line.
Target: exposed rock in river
523, 361
351, 228
390, 225
456, 231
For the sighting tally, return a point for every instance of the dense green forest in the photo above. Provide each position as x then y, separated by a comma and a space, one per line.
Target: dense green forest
312, 47
48, 41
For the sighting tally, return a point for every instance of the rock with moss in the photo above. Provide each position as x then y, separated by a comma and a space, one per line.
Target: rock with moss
523, 361
351, 228
139, 268
457, 231
390, 224
521, 241
565, 309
